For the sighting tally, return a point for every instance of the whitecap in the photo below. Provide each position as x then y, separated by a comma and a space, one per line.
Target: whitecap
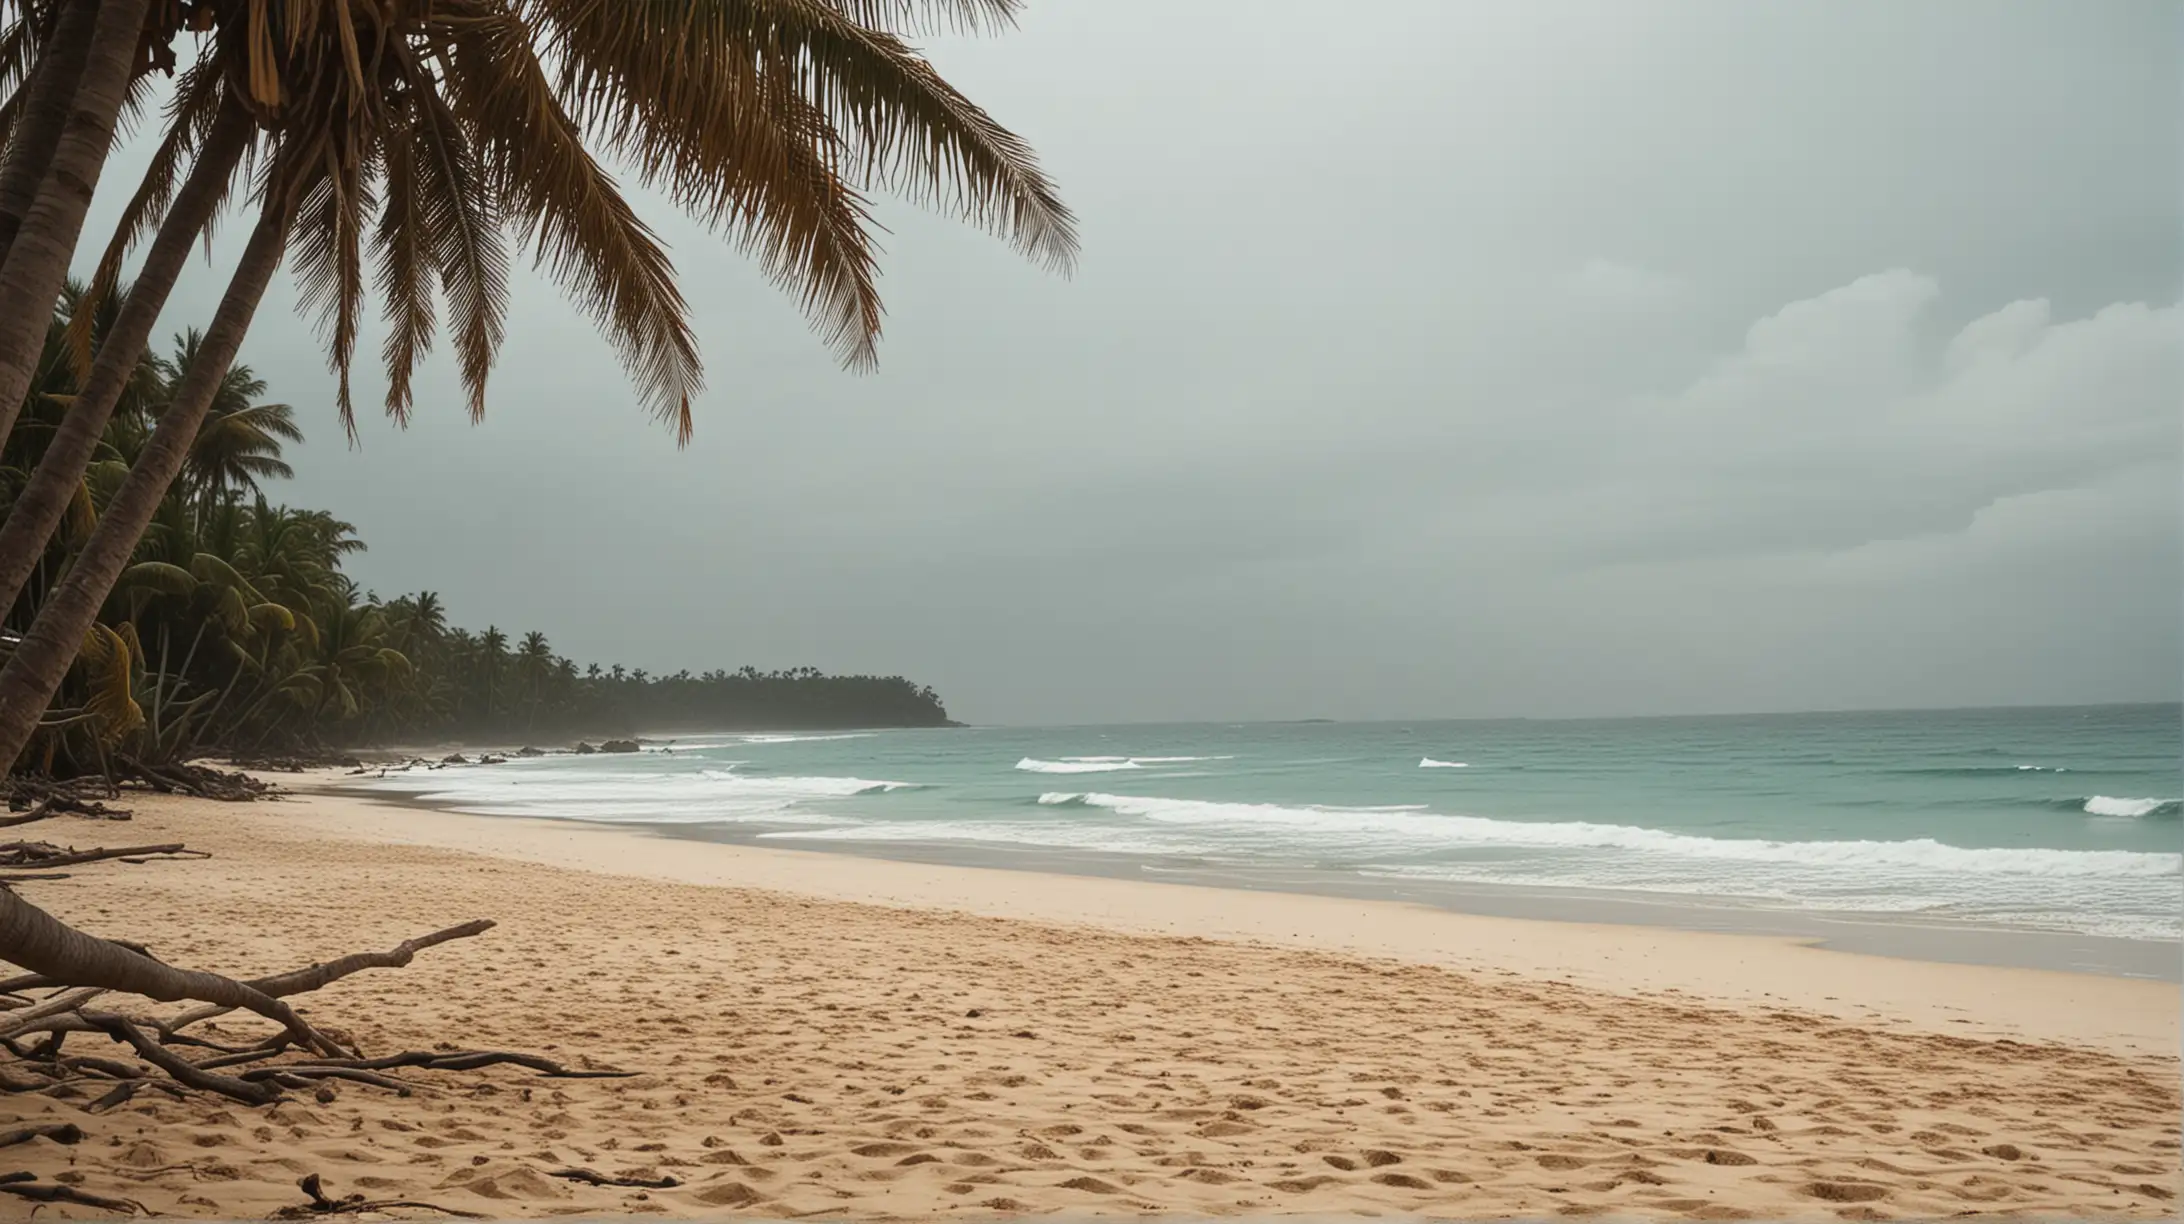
801, 739
2108, 805
1109, 765
1430, 763
1104, 764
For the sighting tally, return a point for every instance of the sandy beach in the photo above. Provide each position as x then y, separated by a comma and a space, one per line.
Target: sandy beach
817, 1034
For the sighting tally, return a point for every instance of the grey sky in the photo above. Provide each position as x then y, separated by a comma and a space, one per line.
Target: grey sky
1424, 358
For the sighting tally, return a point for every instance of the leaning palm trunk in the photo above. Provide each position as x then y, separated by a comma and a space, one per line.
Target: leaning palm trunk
44, 502
49, 96
41, 943
37, 258
35, 671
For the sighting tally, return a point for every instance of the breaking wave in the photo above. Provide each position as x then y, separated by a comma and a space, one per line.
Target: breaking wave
2107, 805
1413, 829
1430, 763
1103, 764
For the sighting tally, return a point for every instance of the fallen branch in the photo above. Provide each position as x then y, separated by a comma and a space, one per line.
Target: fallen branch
60, 1132
298, 1076
312, 977
186, 1073
45, 854
457, 1060
198, 781
354, 1204
22, 1186
591, 1178
46, 800
25, 1021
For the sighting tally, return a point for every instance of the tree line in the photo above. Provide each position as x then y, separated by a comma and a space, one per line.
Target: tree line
233, 627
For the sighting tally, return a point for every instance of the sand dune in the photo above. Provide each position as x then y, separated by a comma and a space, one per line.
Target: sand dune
800, 1055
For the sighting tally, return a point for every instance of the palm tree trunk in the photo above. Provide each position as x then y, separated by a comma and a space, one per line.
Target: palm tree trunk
51, 96
44, 502
37, 259
32, 675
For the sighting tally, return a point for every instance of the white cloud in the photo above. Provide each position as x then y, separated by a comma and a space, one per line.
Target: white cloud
1841, 421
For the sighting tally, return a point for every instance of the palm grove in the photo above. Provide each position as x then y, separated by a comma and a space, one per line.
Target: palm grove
395, 155
234, 628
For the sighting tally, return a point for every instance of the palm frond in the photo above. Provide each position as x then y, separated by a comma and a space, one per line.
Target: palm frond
325, 242
196, 108
583, 233
463, 234
399, 247
106, 662
957, 16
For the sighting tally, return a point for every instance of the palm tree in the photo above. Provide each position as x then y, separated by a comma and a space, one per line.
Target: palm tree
417, 623
240, 441
492, 653
535, 665
224, 140
66, 130
763, 124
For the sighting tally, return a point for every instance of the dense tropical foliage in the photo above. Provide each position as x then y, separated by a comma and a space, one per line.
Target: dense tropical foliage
233, 627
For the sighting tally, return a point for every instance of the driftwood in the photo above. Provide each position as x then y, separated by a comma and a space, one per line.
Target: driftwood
252, 1075
590, 1178
43, 855
354, 1204
45, 800
62, 1133
200, 781
69, 975
26, 1186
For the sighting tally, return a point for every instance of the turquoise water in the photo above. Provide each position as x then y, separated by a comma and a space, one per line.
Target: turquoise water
2052, 819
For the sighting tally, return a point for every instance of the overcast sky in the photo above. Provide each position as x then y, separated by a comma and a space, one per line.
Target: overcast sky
1425, 358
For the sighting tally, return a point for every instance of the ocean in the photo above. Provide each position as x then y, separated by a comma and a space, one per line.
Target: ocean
2058, 822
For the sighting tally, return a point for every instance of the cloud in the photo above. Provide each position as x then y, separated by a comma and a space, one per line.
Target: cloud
1842, 420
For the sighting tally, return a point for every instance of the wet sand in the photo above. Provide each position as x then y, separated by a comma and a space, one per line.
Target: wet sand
860, 1039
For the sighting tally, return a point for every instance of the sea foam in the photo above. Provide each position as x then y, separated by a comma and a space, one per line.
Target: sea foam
1413, 829
1103, 764
1430, 763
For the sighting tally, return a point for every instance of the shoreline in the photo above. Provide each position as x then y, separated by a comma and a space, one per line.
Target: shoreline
2135, 1014
822, 1035
1906, 936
